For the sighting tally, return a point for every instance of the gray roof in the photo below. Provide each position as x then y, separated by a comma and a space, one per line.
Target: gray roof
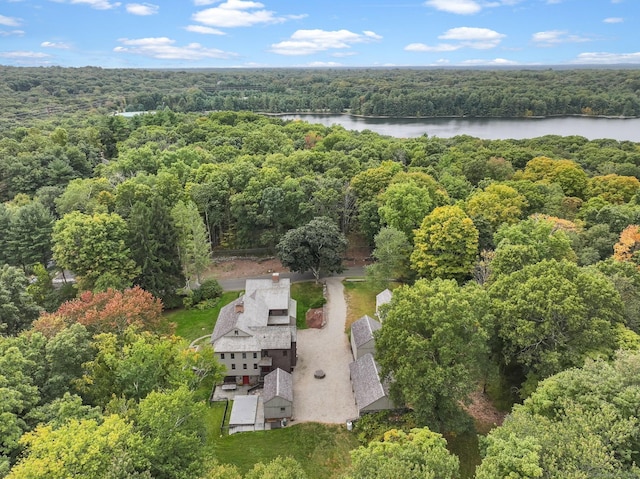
383, 297
249, 314
362, 330
365, 377
244, 411
278, 383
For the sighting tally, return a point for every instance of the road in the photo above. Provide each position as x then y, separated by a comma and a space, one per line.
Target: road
237, 284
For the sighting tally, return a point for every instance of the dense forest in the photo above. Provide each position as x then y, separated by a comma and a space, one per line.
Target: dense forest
27, 93
516, 257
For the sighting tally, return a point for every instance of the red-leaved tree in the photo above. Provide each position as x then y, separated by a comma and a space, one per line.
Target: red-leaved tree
111, 311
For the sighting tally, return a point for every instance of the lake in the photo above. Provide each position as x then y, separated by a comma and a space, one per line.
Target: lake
487, 128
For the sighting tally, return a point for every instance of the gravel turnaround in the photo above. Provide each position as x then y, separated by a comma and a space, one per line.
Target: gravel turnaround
330, 399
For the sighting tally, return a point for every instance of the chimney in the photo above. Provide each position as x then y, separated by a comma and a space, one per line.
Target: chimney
275, 277
240, 307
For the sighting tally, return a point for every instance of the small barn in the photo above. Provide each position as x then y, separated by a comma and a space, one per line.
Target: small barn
245, 415
370, 392
382, 298
277, 395
362, 341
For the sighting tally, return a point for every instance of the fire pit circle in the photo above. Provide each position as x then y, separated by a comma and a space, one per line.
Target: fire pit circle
319, 374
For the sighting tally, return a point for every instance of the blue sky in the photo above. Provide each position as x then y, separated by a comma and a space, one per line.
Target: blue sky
279, 33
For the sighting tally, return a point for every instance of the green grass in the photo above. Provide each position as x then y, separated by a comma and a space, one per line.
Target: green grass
465, 446
361, 300
322, 450
193, 323
308, 295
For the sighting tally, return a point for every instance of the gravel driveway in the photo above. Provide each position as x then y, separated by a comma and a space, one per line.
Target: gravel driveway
327, 400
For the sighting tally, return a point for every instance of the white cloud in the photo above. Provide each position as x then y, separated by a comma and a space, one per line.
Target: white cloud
238, 13
59, 45
97, 4
23, 55
460, 7
307, 42
495, 61
323, 64
467, 7
421, 47
204, 30
613, 20
6, 33
142, 9
9, 21
343, 54
164, 48
465, 37
554, 37
605, 58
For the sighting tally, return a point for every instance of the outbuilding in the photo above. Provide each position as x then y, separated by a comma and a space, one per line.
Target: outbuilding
371, 393
277, 395
246, 415
362, 340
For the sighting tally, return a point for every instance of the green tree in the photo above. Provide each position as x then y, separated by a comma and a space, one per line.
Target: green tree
279, 468
194, 249
419, 454
175, 435
552, 315
404, 206
94, 247
446, 245
17, 307
317, 246
28, 237
578, 424
497, 204
90, 196
153, 241
85, 448
529, 242
432, 342
392, 253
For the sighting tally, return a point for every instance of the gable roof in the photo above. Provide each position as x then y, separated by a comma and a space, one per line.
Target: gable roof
383, 297
365, 377
362, 330
278, 383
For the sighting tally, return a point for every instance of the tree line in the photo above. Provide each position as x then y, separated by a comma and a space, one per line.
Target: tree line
47, 93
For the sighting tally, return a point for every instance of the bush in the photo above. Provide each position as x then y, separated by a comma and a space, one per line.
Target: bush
207, 294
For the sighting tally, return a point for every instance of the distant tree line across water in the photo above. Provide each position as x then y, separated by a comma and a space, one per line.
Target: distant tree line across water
27, 93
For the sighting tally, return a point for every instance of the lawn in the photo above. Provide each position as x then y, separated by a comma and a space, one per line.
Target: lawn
193, 323
361, 300
322, 450
308, 295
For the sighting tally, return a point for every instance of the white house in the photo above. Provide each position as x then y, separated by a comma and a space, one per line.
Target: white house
256, 333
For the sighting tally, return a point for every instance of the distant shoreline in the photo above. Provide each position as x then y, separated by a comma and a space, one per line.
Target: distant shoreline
452, 117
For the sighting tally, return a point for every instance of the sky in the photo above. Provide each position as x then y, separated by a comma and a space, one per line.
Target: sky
309, 33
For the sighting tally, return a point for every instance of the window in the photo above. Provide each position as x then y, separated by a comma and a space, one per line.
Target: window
235, 332
284, 353
244, 366
282, 409
244, 355
221, 355
255, 355
255, 366
233, 356
233, 366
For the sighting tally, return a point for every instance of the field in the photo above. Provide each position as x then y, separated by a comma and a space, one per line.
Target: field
361, 300
322, 450
308, 295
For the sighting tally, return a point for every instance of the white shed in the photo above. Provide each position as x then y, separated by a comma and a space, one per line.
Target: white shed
362, 340
382, 298
370, 392
277, 395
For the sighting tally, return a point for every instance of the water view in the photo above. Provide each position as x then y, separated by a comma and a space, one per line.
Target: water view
488, 128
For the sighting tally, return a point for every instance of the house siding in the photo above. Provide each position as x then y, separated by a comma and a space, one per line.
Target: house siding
272, 408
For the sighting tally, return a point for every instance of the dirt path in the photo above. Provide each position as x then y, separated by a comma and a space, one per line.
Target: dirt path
327, 400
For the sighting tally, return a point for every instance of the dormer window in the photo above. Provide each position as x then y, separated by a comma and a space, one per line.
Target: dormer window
235, 332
